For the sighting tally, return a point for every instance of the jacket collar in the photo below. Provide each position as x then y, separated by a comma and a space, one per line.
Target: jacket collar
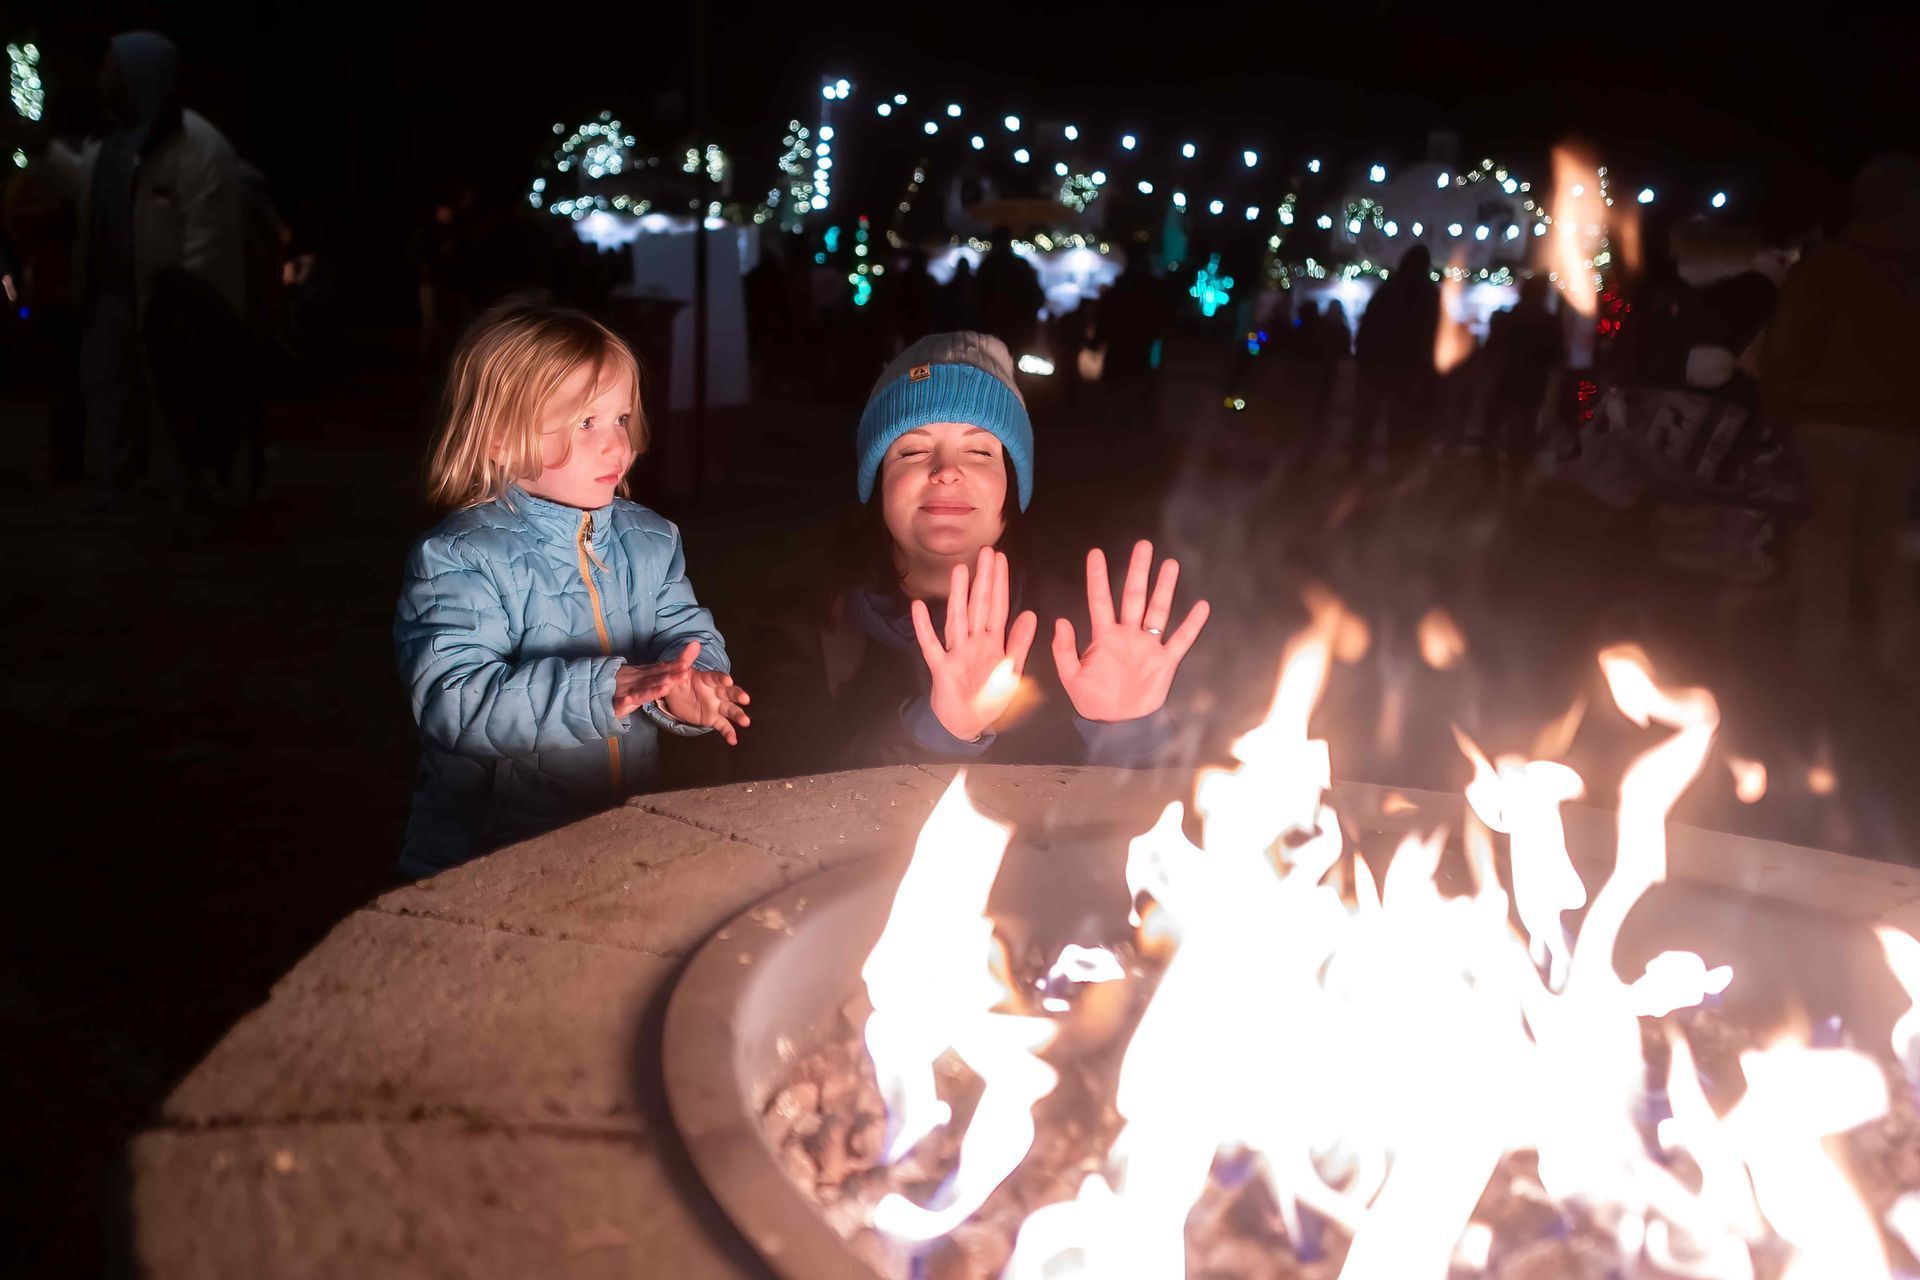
558, 522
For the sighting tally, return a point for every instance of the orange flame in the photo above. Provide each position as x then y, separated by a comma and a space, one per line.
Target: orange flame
1452, 344
934, 986
1283, 1020
1578, 218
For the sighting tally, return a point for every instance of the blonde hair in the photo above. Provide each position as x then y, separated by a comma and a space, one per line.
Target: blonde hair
509, 365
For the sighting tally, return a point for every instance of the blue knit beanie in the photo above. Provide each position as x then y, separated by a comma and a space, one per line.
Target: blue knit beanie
946, 377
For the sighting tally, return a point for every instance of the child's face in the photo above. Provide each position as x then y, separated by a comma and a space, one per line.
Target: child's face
942, 490
594, 420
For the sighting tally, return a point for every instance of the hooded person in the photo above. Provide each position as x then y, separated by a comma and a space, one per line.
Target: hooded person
158, 193
921, 648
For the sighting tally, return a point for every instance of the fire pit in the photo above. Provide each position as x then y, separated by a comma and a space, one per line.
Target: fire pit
1405, 1061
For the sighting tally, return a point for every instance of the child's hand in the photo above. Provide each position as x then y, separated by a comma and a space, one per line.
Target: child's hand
636, 684
1130, 663
712, 699
976, 673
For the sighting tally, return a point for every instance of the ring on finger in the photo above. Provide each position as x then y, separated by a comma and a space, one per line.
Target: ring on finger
1152, 631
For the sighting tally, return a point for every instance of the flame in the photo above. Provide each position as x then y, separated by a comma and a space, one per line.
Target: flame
934, 985
1903, 957
1578, 216
1001, 684
1749, 779
1557, 735
1452, 344
1441, 644
1796, 1097
1523, 799
1287, 1011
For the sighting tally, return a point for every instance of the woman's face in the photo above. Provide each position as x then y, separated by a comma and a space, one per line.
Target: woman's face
943, 488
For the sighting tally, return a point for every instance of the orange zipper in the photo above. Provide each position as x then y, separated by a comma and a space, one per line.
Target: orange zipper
581, 541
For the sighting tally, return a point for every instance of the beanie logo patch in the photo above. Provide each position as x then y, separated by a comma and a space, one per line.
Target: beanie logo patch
920, 373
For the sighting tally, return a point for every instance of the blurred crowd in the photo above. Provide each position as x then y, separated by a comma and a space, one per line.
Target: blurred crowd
1754, 387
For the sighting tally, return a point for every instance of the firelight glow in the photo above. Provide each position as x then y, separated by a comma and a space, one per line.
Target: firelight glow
1298, 982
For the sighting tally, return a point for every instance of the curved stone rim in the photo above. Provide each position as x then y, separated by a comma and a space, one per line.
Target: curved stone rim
714, 1086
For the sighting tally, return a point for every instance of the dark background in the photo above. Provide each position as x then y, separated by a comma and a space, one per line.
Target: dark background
361, 114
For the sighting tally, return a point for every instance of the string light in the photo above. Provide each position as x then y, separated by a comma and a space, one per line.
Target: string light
1189, 150
1253, 212
1099, 177
1377, 174
1021, 156
1441, 181
1079, 191
1324, 222
1313, 166
931, 128
1179, 199
1060, 168
1216, 207
885, 108
1012, 123
23, 84
953, 111
1211, 288
899, 99
1719, 199
1146, 188
1128, 142
978, 142
1072, 132
1646, 195
1250, 158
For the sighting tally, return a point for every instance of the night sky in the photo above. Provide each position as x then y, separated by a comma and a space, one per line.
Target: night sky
362, 114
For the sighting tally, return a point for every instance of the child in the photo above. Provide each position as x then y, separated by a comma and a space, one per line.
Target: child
912, 654
544, 610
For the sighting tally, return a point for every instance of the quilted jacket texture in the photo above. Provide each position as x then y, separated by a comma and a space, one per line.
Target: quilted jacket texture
513, 618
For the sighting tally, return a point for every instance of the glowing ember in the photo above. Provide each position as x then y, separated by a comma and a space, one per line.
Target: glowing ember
1441, 644
1297, 985
1749, 779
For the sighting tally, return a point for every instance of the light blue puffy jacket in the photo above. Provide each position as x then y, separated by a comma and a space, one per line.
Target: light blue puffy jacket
512, 621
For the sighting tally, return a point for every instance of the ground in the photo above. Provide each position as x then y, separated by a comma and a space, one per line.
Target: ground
213, 754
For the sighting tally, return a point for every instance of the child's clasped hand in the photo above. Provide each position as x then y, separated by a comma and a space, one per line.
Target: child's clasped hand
709, 699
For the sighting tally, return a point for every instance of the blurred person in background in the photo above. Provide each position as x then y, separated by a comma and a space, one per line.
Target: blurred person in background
1525, 349
159, 269
1837, 371
1394, 351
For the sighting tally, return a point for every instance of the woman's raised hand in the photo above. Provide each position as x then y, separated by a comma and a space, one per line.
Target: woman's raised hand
1130, 660
977, 670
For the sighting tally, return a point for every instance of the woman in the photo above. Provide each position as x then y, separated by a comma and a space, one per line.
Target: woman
921, 649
